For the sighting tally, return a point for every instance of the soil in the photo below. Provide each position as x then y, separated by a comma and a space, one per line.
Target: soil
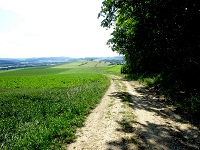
130, 117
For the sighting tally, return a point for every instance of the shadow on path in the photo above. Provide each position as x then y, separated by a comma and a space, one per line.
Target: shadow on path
163, 132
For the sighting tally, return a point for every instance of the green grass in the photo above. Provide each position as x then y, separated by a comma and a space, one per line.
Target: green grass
32, 71
91, 70
48, 81
92, 67
81, 64
41, 108
115, 70
45, 118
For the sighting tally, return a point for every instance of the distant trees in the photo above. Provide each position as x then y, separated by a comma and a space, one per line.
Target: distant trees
157, 37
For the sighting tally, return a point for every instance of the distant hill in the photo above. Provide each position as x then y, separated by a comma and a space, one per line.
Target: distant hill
6, 62
13, 63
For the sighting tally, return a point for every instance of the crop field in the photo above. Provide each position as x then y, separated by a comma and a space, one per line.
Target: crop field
32, 71
93, 67
41, 108
81, 64
51, 81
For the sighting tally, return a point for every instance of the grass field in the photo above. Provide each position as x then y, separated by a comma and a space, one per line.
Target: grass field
116, 70
81, 64
41, 108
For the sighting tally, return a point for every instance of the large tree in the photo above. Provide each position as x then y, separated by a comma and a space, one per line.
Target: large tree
157, 36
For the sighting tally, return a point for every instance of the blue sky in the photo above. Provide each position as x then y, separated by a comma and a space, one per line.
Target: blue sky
42, 28
7, 19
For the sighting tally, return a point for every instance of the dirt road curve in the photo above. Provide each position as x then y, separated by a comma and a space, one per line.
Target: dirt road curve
129, 118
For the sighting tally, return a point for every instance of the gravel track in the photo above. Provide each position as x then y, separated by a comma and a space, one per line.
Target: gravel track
130, 118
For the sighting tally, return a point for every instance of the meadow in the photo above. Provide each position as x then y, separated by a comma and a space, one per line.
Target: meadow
41, 108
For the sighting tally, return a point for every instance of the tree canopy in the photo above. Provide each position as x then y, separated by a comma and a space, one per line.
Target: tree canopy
157, 37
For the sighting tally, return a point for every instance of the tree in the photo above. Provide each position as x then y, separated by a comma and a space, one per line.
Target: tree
156, 36
159, 37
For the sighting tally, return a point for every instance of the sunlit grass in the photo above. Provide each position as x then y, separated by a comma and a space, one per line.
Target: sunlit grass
84, 63
48, 81
40, 108
32, 71
45, 118
115, 70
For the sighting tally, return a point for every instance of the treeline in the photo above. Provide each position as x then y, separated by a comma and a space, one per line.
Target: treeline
159, 38
114, 61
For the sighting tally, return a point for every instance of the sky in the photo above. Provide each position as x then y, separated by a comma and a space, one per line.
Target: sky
52, 28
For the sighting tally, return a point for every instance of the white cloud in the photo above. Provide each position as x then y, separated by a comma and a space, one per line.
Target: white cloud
54, 28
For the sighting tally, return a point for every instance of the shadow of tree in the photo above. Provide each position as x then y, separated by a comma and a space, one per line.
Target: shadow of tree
126, 126
152, 135
122, 144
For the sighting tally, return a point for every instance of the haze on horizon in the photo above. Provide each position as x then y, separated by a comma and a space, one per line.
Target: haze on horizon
52, 28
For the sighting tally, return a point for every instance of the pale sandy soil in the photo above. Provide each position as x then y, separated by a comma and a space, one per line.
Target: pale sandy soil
130, 118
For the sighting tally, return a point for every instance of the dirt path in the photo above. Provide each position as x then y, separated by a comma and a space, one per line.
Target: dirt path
129, 118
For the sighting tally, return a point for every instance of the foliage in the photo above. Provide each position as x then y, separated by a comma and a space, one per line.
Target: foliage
193, 104
155, 36
158, 37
